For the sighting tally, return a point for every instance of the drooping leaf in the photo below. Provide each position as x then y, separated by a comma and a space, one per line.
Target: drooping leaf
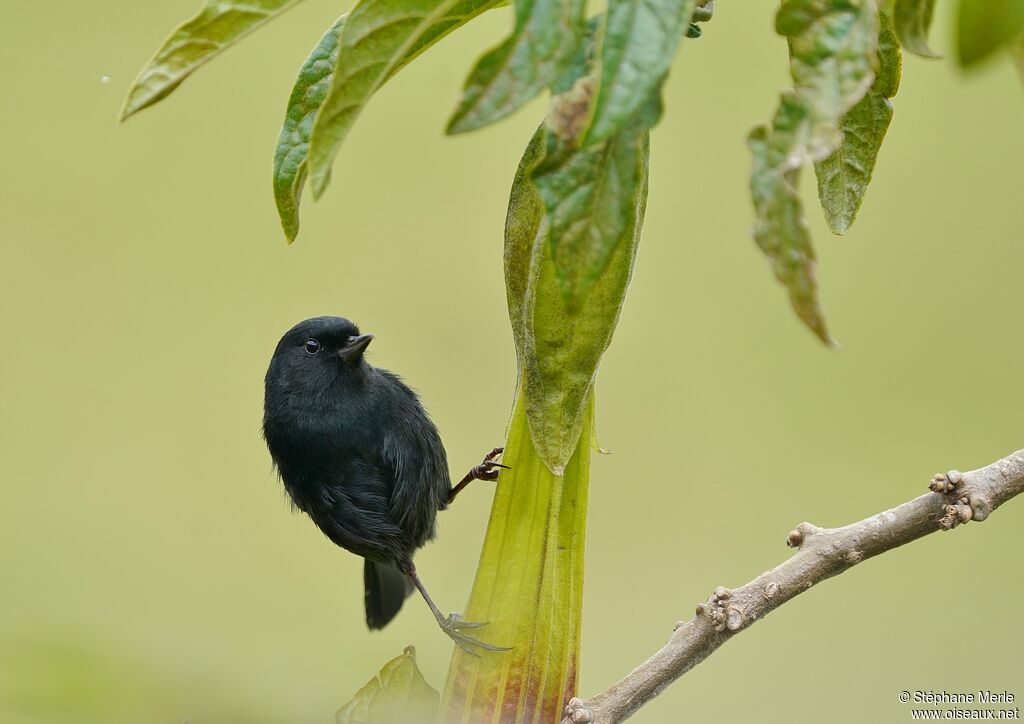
379, 38
637, 44
843, 177
290, 156
397, 694
832, 54
913, 18
985, 26
833, 50
218, 26
528, 61
780, 229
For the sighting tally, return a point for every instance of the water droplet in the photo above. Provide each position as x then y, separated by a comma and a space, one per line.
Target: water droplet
104, 79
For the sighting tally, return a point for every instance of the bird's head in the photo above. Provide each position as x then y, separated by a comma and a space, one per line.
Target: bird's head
314, 353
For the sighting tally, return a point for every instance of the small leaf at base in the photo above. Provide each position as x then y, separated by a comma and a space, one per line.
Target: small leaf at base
399, 693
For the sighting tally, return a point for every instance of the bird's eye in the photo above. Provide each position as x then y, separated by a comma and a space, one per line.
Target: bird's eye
312, 346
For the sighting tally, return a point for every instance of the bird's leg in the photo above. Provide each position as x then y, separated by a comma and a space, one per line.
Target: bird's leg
453, 623
486, 470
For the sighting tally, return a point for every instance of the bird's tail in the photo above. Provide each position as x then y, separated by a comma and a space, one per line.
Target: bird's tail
386, 590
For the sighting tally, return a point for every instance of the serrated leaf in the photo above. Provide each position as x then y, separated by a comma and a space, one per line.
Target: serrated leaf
843, 177
913, 19
527, 62
780, 229
985, 26
218, 26
291, 154
397, 694
380, 37
638, 42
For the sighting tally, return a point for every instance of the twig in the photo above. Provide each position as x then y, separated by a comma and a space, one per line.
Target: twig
823, 552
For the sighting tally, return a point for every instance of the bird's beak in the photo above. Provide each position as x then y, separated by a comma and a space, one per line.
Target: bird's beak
355, 347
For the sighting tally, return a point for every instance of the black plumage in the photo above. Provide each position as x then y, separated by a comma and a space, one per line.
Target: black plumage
358, 454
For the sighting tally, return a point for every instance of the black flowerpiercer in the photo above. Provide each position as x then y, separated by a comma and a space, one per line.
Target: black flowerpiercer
358, 454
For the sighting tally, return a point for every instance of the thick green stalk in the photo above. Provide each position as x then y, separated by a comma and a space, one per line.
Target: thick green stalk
571, 237
529, 586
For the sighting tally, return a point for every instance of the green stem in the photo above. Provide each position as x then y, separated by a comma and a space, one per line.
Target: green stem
529, 586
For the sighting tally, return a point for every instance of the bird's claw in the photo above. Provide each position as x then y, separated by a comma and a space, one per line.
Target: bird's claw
488, 469
453, 625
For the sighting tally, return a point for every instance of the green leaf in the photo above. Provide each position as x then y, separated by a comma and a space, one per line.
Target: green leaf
291, 155
398, 693
571, 235
913, 18
591, 197
832, 49
889, 70
528, 61
780, 229
218, 26
380, 37
844, 176
574, 216
639, 40
985, 26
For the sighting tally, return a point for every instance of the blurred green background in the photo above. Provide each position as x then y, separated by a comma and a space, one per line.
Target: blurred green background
151, 568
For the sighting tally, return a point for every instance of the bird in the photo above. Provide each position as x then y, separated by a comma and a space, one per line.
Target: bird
358, 454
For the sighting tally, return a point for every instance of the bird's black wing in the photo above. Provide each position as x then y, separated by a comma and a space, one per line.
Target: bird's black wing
414, 456
352, 508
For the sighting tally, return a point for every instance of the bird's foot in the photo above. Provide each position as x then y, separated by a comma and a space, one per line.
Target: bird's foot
488, 468
453, 625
